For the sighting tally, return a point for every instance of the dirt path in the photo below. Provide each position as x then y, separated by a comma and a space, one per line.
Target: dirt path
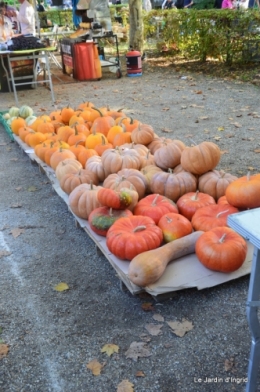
52, 336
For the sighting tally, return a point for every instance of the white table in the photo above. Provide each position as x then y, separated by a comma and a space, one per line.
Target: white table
34, 55
247, 224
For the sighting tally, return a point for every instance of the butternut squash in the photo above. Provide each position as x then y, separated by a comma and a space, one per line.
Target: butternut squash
147, 267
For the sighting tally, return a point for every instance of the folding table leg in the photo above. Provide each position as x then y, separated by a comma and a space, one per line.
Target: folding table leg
252, 307
12, 79
49, 75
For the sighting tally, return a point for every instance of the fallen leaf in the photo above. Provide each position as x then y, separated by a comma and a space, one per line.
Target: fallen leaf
61, 287
158, 317
3, 144
136, 350
180, 328
251, 168
237, 125
17, 231
147, 306
4, 253
165, 109
221, 129
145, 337
193, 105
257, 150
222, 152
217, 137
229, 364
3, 350
125, 386
204, 118
18, 189
183, 107
110, 349
198, 92
32, 188
16, 205
166, 130
139, 373
230, 135
95, 367
154, 329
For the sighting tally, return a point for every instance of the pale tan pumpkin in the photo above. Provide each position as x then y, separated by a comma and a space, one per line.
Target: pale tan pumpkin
215, 183
140, 148
158, 142
147, 160
70, 181
201, 158
124, 178
142, 134
95, 165
114, 160
148, 172
169, 156
173, 185
83, 200
67, 166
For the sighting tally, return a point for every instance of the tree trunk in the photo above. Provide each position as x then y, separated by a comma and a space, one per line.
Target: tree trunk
136, 25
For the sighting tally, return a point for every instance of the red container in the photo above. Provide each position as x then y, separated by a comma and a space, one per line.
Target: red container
134, 63
86, 61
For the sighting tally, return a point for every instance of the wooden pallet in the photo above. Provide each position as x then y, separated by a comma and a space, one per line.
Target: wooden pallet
186, 272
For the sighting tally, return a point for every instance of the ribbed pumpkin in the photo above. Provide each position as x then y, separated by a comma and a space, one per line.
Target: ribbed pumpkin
95, 165
67, 166
142, 134
174, 226
148, 172
221, 249
59, 156
71, 180
244, 192
215, 183
83, 200
131, 236
140, 148
115, 160
102, 218
125, 178
201, 158
169, 156
173, 185
157, 143
189, 203
16, 124
155, 206
211, 216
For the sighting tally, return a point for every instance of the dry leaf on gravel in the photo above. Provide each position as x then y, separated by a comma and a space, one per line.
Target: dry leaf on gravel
147, 306
95, 367
3, 350
61, 287
237, 125
180, 328
139, 373
221, 129
222, 152
17, 231
136, 350
16, 205
125, 386
4, 253
216, 137
32, 189
257, 150
145, 338
18, 188
251, 168
110, 349
158, 317
154, 329
229, 364
166, 130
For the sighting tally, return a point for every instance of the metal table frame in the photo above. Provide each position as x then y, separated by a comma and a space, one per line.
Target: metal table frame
34, 55
246, 223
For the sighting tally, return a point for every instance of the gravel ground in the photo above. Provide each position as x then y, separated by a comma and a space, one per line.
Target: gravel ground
52, 335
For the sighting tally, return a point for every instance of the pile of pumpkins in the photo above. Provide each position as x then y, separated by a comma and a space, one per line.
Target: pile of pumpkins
155, 199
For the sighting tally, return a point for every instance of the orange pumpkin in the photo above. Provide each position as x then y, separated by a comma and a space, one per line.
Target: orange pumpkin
190, 202
66, 114
211, 216
244, 192
174, 226
16, 124
126, 178
221, 249
142, 134
85, 154
71, 180
59, 156
201, 158
155, 206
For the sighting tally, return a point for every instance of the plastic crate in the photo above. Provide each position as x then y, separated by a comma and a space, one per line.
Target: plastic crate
5, 125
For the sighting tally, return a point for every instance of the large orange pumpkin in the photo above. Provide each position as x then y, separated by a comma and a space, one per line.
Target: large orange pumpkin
244, 192
221, 249
200, 158
131, 236
155, 206
189, 203
211, 216
174, 226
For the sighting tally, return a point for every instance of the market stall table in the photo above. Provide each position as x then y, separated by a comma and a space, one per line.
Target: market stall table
246, 223
31, 54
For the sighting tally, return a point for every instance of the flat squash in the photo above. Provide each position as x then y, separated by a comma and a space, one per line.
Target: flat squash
147, 267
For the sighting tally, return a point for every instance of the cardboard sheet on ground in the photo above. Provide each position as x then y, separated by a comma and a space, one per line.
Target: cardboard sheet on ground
185, 272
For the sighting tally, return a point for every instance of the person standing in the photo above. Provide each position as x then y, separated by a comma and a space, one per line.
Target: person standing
168, 4
26, 17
